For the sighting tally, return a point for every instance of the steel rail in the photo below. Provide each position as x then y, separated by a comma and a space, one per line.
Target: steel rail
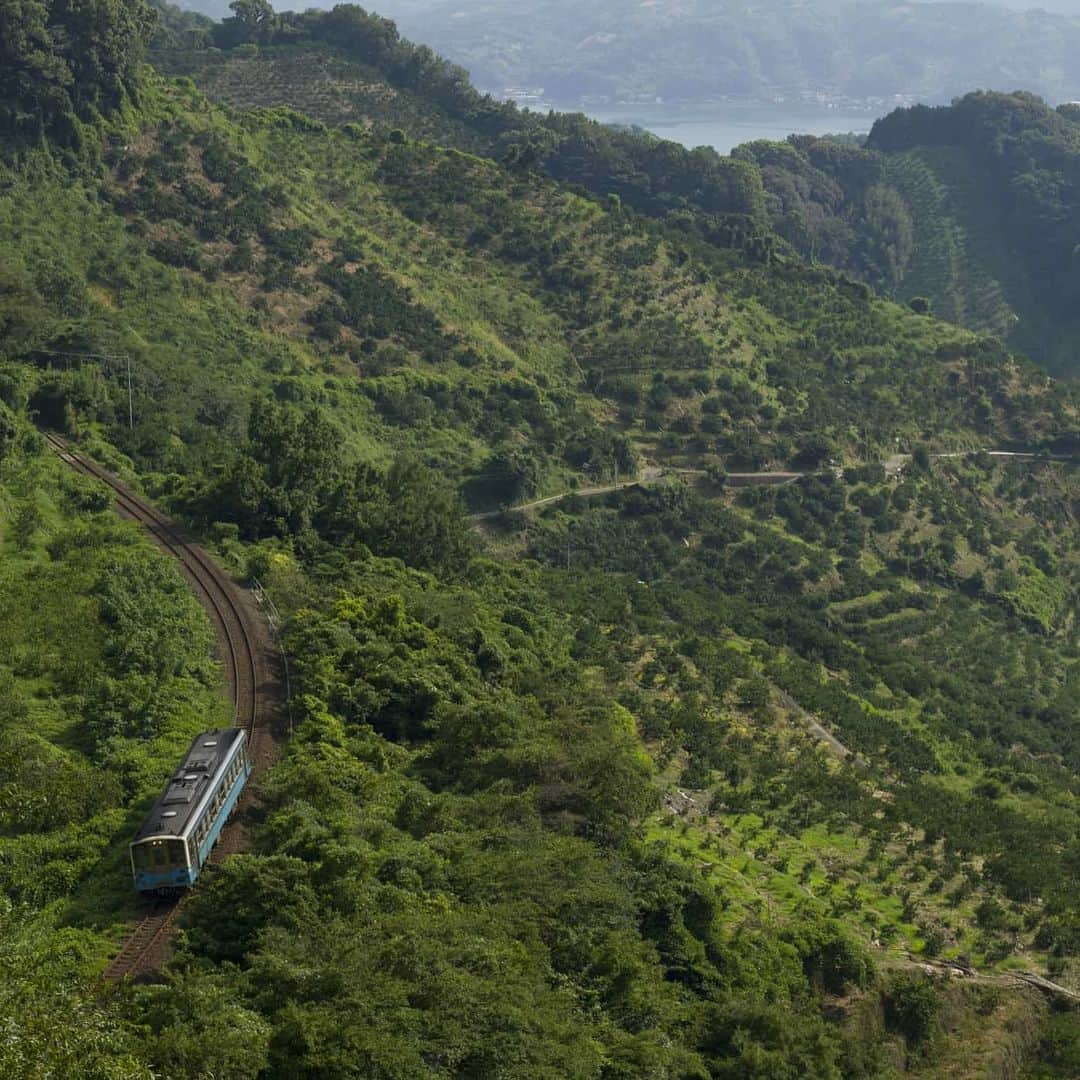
137, 952
240, 653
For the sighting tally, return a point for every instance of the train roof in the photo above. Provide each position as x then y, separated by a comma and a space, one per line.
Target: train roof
177, 805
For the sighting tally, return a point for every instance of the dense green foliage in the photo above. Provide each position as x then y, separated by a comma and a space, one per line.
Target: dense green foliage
358, 67
452, 844
972, 206
934, 208
104, 677
62, 63
561, 798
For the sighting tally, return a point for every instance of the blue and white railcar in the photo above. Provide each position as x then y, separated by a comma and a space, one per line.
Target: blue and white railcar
175, 840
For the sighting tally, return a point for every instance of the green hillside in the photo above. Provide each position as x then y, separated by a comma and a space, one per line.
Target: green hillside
971, 206
680, 779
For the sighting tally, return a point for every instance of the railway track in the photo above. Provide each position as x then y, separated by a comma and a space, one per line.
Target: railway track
240, 647
148, 942
214, 589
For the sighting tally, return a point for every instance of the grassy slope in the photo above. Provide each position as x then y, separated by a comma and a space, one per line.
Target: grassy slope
514, 279
959, 257
636, 306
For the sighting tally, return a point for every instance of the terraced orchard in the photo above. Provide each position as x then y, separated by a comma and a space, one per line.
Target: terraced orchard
319, 82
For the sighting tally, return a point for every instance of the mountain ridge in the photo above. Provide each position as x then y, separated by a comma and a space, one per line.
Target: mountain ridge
711, 50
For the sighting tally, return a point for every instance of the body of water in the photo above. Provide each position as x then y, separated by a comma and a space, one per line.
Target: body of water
724, 127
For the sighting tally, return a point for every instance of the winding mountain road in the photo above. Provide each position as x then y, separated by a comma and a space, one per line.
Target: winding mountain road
893, 466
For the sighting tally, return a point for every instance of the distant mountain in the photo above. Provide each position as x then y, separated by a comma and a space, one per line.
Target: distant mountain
876, 52
1060, 7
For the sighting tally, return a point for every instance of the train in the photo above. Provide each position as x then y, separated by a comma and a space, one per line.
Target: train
175, 840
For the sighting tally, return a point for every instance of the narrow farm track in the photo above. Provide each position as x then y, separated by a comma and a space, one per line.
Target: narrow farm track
653, 475
251, 667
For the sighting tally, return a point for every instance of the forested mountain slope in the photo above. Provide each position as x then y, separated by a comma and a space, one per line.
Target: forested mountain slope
968, 205
973, 206
350, 64
555, 804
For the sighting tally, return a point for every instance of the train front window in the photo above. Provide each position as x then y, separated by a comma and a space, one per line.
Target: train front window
177, 852
158, 855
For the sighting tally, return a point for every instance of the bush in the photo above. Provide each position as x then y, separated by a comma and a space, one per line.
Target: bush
913, 1005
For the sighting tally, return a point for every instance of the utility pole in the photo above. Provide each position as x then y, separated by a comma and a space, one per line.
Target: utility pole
131, 408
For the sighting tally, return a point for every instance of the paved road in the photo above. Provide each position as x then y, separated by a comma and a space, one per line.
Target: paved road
650, 477
893, 465
583, 492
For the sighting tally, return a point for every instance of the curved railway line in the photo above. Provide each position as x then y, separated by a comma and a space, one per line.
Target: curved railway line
241, 643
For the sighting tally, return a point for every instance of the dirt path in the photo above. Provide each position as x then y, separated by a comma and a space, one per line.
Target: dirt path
814, 726
652, 474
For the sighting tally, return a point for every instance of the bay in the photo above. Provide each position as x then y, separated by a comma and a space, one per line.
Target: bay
724, 127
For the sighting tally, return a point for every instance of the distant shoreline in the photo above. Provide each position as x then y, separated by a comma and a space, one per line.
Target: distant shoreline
727, 125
